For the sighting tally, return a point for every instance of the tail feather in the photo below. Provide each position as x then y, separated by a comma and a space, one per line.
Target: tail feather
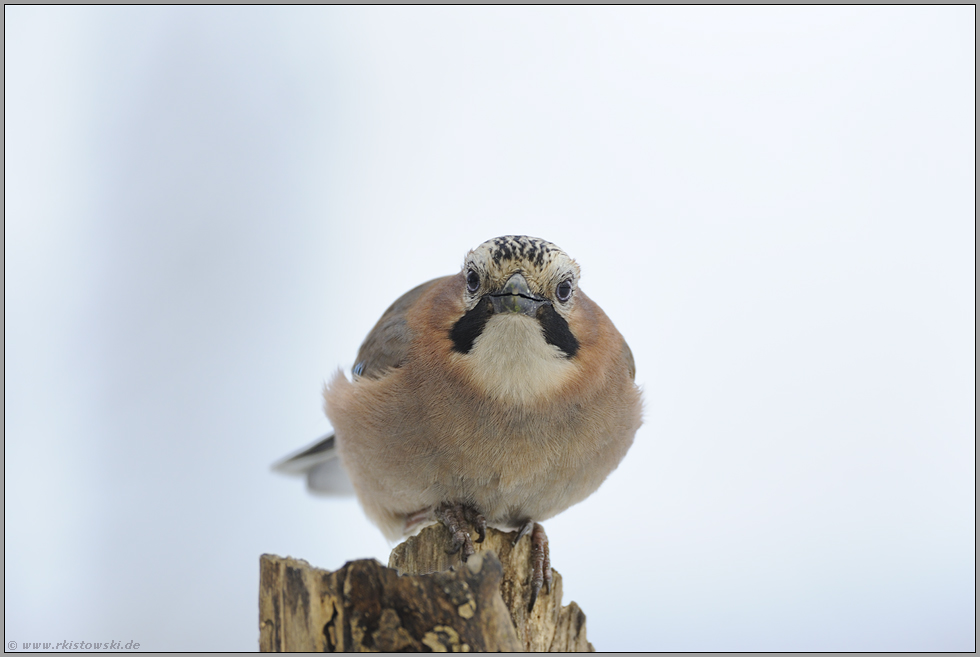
321, 465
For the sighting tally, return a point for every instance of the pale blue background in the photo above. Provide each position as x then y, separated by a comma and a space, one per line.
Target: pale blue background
206, 209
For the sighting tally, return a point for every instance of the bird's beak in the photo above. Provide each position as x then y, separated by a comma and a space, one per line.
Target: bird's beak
516, 297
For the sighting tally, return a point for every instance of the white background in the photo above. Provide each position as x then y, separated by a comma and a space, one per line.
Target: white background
206, 209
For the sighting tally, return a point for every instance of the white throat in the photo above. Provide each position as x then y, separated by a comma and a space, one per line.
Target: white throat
512, 361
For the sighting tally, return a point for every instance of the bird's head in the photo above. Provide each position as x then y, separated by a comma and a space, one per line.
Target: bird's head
520, 267
521, 277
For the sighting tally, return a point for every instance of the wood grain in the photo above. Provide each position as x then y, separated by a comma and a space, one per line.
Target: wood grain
425, 601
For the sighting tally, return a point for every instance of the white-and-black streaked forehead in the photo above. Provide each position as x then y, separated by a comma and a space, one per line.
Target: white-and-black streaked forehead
542, 263
544, 267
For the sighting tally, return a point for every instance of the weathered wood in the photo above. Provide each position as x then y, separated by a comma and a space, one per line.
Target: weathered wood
548, 627
426, 600
365, 606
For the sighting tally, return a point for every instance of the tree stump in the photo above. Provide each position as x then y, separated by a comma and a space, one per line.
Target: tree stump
425, 600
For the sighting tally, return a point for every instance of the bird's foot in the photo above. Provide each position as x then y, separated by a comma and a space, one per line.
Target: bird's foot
477, 521
540, 559
455, 516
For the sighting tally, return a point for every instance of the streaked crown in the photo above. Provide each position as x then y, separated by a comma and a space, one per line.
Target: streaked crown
543, 265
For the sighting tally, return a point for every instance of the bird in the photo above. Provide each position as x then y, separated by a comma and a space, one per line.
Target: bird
500, 395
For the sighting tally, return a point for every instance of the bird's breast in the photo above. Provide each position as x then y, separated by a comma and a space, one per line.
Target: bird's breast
511, 361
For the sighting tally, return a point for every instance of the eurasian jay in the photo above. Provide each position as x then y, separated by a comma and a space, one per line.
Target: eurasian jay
500, 395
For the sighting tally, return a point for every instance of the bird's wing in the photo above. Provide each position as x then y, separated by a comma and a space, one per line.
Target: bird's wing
386, 346
320, 464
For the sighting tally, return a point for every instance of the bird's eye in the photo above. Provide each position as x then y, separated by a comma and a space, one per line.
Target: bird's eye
472, 281
564, 290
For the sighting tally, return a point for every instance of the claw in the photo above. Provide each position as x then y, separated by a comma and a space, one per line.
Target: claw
540, 563
455, 517
539, 540
451, 515
540, 559
523, 531
476, 519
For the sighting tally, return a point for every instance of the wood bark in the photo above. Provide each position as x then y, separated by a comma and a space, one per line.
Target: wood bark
426, 600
